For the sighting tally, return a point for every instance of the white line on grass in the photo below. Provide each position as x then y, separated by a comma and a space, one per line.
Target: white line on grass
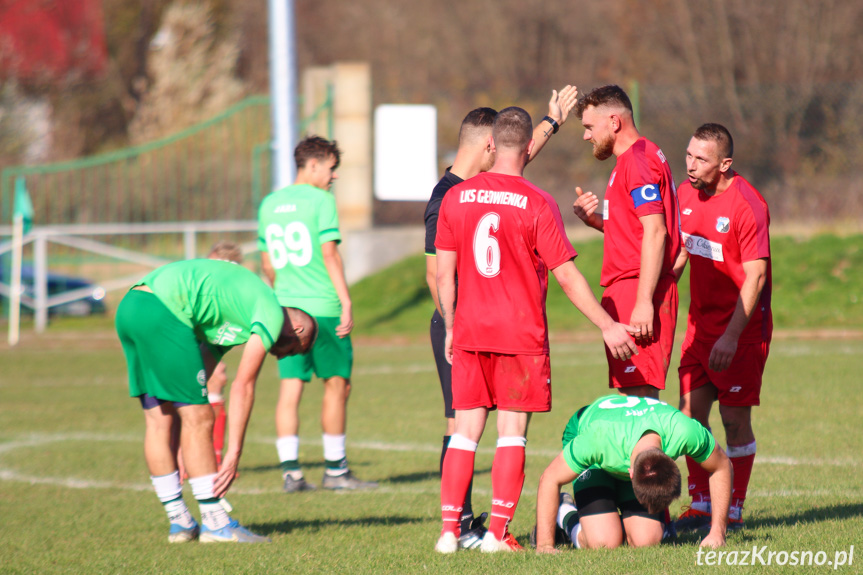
36, 440
775, 493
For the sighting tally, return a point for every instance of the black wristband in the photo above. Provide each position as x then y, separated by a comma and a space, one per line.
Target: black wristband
553, 123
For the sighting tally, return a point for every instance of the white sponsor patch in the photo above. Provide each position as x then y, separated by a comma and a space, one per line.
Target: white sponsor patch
698, 246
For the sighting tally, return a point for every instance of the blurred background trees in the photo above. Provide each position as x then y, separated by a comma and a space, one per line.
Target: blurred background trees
786, 77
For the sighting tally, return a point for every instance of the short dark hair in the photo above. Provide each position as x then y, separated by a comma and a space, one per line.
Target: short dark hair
478, 119
655, 480
610, 95
289, 342
316, 147
512, 128
719, 134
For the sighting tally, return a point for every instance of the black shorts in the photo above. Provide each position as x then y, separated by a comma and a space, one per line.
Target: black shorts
597, 492
437, 331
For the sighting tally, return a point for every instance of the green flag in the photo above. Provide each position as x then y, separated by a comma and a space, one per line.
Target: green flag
23, 205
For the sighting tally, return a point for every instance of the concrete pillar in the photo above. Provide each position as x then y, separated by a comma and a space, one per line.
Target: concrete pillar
352, 91
351, 85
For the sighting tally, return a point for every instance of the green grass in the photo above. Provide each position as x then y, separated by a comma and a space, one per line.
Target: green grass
75, 496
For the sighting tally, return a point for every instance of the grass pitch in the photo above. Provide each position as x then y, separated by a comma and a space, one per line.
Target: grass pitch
75, 495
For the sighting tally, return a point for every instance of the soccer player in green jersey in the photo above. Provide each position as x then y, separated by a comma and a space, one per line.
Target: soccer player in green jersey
175, 325
298, 236
619, 453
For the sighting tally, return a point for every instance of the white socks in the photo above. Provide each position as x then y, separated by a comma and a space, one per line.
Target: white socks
213, 515
334, 447
288, 448
167, 487
170, 493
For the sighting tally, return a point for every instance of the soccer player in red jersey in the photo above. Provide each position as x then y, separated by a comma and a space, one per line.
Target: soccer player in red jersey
474, 155
725, 225
502, 235
641, 226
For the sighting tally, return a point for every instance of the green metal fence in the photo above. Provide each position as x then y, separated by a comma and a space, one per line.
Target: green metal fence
216, 170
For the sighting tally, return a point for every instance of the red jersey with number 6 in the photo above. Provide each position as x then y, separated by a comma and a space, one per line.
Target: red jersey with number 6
640, 184
721, 233
507, 235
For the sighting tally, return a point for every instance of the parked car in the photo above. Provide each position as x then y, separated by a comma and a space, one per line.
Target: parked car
89, 304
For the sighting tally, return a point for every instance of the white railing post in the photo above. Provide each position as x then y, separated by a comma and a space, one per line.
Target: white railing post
15, 280
40, 280
189, 243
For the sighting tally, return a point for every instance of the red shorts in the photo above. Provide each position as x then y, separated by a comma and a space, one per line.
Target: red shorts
739, 385
509, 382
650, 366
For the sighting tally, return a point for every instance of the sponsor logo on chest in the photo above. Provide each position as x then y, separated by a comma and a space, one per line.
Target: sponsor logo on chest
698, 246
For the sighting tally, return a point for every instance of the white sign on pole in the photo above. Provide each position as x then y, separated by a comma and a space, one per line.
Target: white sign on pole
405, 152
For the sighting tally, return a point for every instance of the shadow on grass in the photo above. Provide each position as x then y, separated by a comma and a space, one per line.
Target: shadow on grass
811, 515
418, 476
318, 464
315, 525
415, 477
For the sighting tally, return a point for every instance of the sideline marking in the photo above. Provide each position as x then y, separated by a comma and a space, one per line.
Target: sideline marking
36, 440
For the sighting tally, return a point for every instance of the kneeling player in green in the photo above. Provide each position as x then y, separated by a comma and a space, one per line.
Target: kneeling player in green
619, 453
175, 325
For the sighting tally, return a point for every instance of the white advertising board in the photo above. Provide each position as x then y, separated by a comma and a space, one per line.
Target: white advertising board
405, 152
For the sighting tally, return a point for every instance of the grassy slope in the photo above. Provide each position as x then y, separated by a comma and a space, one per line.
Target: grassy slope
818, 283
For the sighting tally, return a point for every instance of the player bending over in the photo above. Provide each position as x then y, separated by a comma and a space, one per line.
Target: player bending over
175, 325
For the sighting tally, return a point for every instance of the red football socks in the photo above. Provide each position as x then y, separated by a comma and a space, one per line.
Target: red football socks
219, 430
742, 459
699, 482
456, 477
507, 480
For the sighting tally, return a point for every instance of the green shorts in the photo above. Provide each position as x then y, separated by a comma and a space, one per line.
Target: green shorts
330, 356
162, 353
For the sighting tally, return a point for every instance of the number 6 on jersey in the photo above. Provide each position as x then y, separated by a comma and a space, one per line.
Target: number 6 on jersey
486, 250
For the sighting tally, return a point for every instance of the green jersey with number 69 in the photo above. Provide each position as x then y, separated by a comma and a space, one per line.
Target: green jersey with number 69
603, 434
293, 223
222, 301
